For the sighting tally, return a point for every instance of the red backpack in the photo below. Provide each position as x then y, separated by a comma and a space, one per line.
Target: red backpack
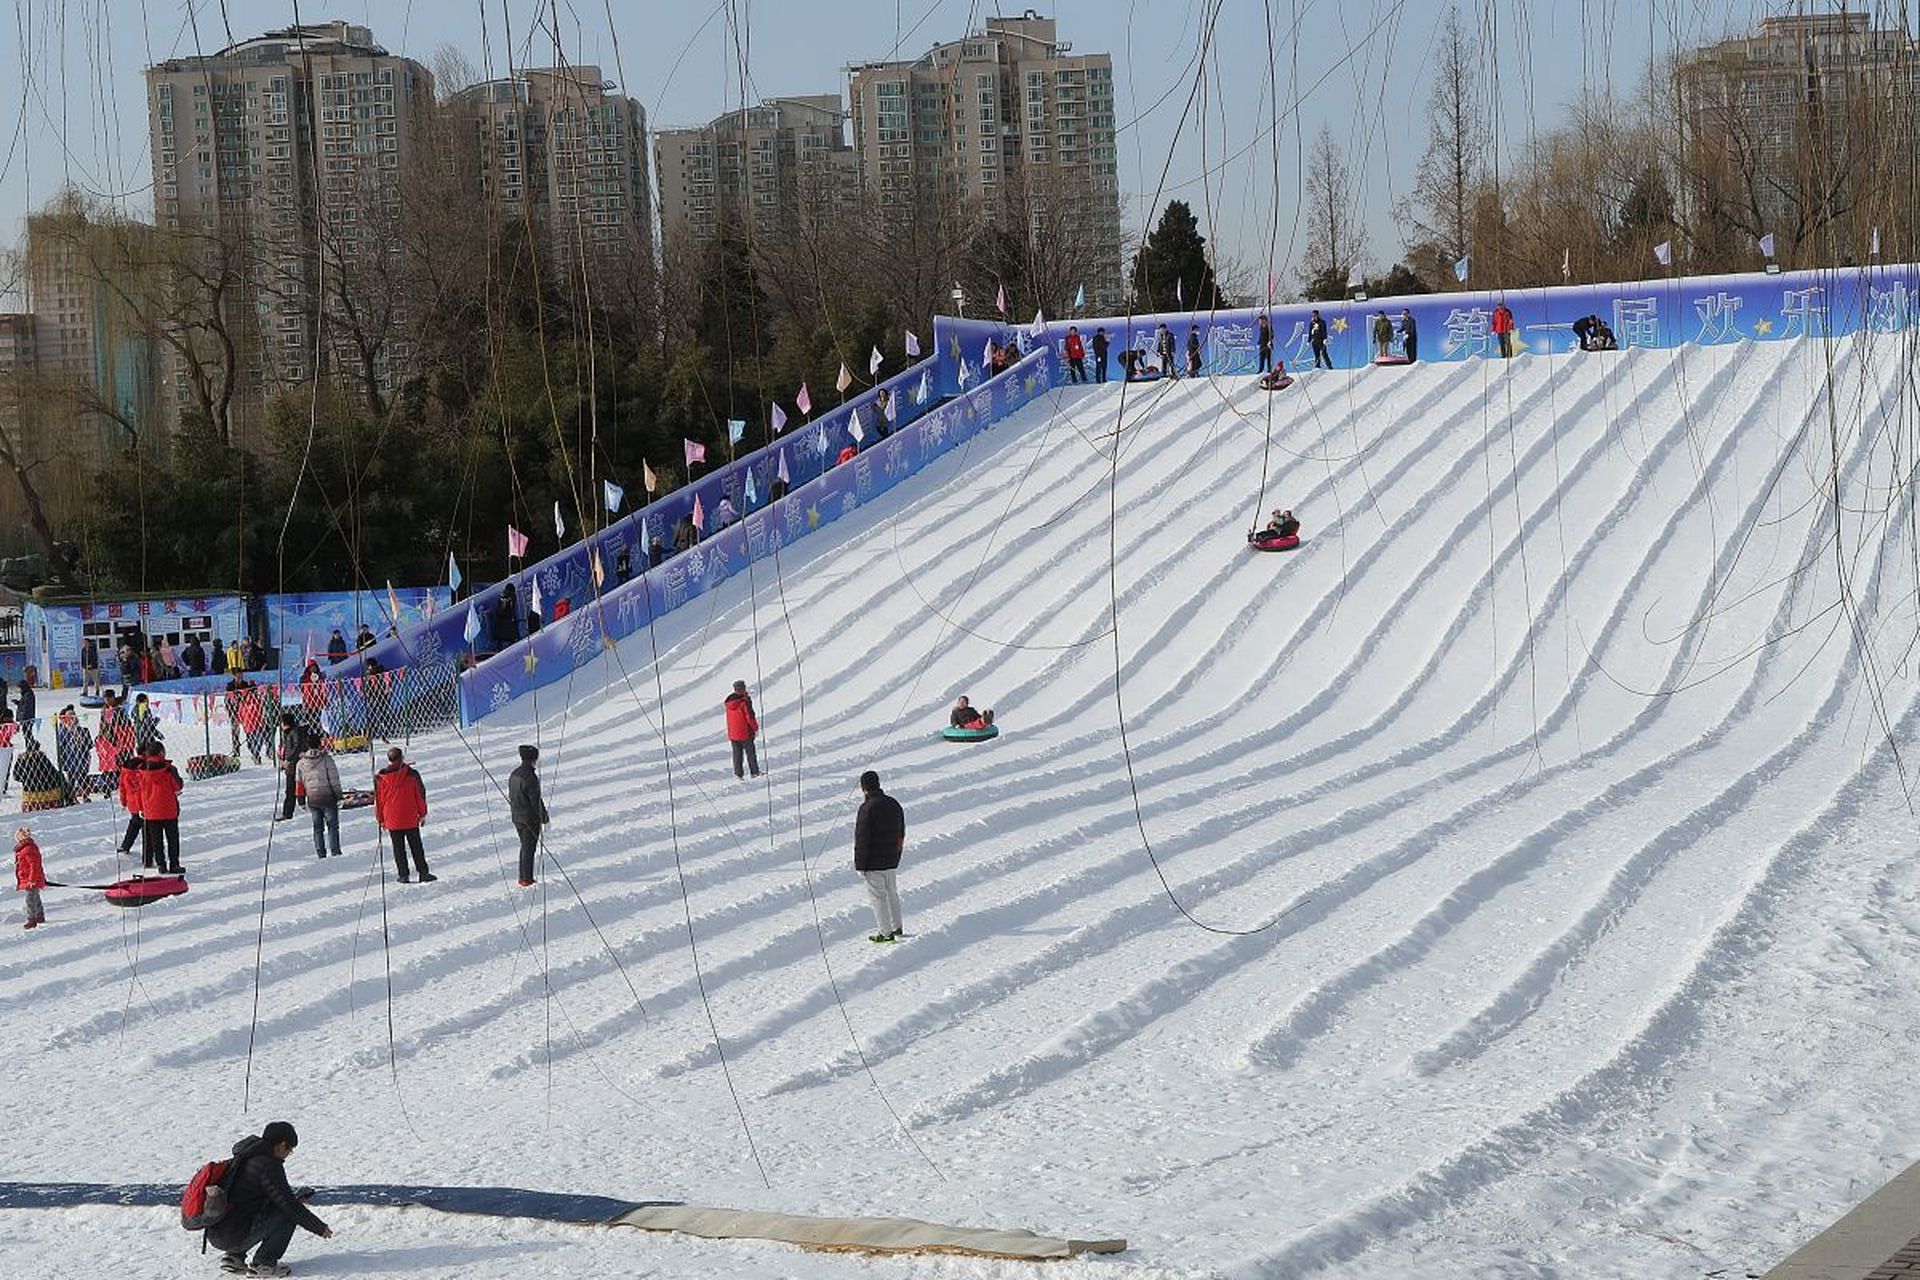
204, 1202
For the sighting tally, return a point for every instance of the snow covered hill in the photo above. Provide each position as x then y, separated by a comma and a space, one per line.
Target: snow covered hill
1515, 880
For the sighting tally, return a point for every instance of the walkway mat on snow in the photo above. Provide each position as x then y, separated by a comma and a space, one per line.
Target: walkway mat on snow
858, 1235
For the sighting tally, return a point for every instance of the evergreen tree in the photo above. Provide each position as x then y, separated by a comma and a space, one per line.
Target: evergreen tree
1171, 271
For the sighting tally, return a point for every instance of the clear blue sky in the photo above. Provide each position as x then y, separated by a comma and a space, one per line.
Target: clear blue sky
72, 104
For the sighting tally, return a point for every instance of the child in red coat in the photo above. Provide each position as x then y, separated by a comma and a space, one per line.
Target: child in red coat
29, 874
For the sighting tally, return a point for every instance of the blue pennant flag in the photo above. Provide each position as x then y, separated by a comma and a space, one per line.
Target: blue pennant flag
472, 630
736, 427
1460, 269
453, 573
1080, 298
752, 497
613, 493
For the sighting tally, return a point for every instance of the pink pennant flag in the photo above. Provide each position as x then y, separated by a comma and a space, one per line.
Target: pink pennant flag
1000, 299
647, 477
393, 599
516, 543
804, 400
699, 514
695, 452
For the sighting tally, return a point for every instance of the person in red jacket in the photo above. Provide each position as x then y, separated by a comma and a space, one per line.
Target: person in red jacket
1076, 356
1503, 330
159, 792
400, 806
742, 728
129, 770
29, 875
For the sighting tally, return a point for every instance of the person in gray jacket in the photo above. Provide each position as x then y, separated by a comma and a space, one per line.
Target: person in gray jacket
316, 782
528, 809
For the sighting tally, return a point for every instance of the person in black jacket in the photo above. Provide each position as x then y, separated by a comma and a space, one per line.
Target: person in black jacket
879, 836
1101, 343
1163, 345
262, 1209
1317, 339
295, 740
529, 810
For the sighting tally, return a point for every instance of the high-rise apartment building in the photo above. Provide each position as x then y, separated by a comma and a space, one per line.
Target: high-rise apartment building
1009, 117
1788, 125
776, 168
564, 149
282, 151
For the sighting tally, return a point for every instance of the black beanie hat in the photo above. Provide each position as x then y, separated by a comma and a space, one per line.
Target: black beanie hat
277, 1132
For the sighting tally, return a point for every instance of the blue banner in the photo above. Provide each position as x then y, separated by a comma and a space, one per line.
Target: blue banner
1680, 311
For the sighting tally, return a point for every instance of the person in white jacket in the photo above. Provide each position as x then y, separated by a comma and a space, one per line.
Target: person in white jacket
316, 783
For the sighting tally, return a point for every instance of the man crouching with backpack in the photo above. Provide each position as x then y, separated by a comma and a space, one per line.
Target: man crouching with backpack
262, 1209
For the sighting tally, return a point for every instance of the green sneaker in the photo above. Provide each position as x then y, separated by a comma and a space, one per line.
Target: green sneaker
882, 937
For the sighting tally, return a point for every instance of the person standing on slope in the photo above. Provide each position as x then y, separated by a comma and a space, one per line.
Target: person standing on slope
1317, 339
1163, 345
400, 806
262, 1209
528, 808
1101, 345
316, 784
1076, 356
879, 837
29, 875
742, 728
1266, 342
1503, 330
160, 787
1409, 336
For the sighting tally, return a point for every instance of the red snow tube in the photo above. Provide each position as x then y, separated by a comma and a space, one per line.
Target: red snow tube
1287, 543
1391, 358
1281, 385
144, 889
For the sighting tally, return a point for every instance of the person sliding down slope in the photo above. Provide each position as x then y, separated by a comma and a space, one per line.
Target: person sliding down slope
1282, 526
966, 715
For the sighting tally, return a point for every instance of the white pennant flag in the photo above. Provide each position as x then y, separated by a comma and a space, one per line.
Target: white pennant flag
844, 381
925, 389
1566, 264
559, 525
536, 605
892, 409
1766, 244
873, 363
913, 343
1663, 253
1875, 249
1353, 277
471, 631
854, 428
752, 497
647, 477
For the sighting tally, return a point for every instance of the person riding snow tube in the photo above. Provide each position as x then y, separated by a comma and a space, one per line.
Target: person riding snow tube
977, 730
1281, 534
1276, 379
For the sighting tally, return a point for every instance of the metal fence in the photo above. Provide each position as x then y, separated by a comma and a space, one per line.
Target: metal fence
74, 751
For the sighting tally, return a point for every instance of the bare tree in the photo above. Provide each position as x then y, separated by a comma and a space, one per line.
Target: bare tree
1446, 185
1336, 239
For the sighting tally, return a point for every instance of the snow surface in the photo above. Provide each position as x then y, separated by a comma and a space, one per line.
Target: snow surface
1547, 787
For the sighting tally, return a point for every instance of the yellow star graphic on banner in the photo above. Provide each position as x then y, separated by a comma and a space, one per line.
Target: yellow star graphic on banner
813, 517
1763, 327
1339, 324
